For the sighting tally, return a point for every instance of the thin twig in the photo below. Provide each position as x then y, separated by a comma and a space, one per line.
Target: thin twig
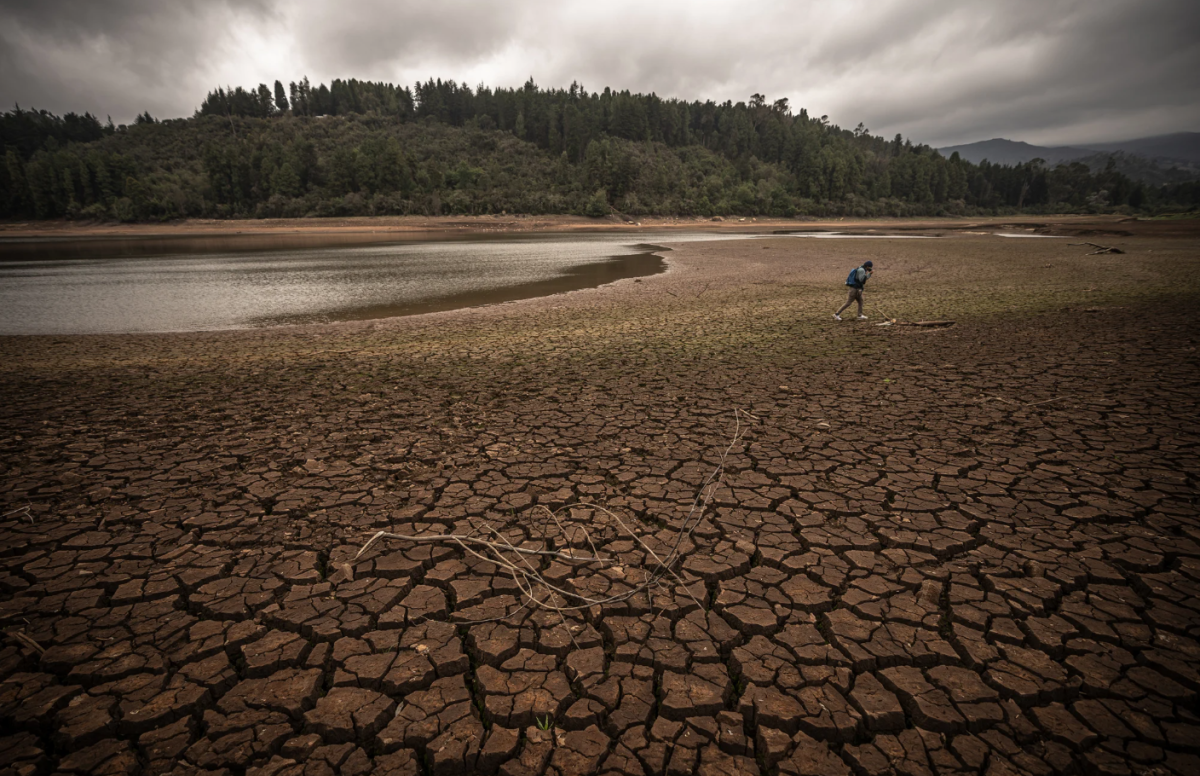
517, 561
1047, 401
1100, 249
22, 638
429, 538
20, 511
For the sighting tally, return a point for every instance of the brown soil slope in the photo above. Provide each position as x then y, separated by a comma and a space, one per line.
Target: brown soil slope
934, 550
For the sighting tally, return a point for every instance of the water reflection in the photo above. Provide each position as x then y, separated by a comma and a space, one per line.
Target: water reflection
154, 246
137, 286
858, 236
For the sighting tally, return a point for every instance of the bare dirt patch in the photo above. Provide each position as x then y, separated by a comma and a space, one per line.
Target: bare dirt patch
939, 550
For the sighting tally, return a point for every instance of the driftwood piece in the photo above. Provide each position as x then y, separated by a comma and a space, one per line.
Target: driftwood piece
24, 640
553, 593
1099, 248
922, 324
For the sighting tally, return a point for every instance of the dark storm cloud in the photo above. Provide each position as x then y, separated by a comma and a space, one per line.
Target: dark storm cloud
936, 70
80, 19
404, 33
115, 56
1054, 72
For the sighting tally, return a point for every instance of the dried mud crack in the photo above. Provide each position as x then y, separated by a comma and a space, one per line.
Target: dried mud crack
955, 550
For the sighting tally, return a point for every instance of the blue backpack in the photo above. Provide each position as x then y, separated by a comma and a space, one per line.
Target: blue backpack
852, 279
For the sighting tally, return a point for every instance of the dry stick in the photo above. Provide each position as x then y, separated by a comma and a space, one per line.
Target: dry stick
528, 578
716, 473
21, 511
1100, 249
653, 554
1047, 401
685, 531
539, 579
513, 571
22, 638
887, 316
460, 539
587, 536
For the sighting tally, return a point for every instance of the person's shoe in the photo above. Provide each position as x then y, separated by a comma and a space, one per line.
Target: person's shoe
837, 317
862, 317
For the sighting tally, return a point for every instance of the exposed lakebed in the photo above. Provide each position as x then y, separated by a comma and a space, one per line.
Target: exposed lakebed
117, 286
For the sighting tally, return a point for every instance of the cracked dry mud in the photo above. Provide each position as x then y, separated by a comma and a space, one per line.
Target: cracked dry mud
973, 549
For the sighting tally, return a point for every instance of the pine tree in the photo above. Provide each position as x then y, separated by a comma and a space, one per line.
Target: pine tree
286, 181
17, 199
281, 100
597, 206
265, 105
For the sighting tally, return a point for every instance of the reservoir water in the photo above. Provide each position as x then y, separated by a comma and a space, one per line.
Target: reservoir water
182, 284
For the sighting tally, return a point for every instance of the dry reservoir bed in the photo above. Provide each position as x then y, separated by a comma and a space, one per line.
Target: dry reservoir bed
933, 550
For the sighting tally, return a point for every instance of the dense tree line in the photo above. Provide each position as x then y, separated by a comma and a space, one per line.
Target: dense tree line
365, 148
303, 99
27, 131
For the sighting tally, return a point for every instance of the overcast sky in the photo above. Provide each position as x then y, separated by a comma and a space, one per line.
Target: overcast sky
938, 71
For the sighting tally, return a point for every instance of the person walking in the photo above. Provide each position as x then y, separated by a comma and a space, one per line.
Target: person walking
857, 281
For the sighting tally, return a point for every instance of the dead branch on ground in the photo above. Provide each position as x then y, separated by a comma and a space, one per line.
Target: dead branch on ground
539, 592
24, 511
1100, 249
921, 324
24, 640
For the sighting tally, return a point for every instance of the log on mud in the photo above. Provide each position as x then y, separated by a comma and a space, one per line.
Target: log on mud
1100, 249
922, 324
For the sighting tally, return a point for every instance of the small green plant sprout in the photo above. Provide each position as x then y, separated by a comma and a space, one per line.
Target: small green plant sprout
544, 724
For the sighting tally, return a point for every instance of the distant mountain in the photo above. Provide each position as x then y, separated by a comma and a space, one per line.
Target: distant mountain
1181, 146
1156, 160
1155, 172
1001, 151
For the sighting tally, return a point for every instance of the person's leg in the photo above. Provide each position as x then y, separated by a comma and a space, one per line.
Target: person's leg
849, 301
858, 296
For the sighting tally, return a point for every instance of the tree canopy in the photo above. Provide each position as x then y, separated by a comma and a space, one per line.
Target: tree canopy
363, 148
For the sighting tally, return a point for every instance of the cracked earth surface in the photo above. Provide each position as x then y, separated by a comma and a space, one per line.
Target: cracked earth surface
971, 549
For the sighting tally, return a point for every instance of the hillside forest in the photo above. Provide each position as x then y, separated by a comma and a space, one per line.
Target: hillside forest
355, 148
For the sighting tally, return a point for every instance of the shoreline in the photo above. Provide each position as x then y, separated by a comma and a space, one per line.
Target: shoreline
683, 276
451, 225
702, 278
646, 260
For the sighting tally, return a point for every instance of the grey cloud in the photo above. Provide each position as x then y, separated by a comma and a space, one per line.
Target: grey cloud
87, 18
1070, 64
119, 56
939, 71
405, 33
876, 31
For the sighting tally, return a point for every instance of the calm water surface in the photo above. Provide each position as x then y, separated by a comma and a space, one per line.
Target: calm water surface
87, 287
